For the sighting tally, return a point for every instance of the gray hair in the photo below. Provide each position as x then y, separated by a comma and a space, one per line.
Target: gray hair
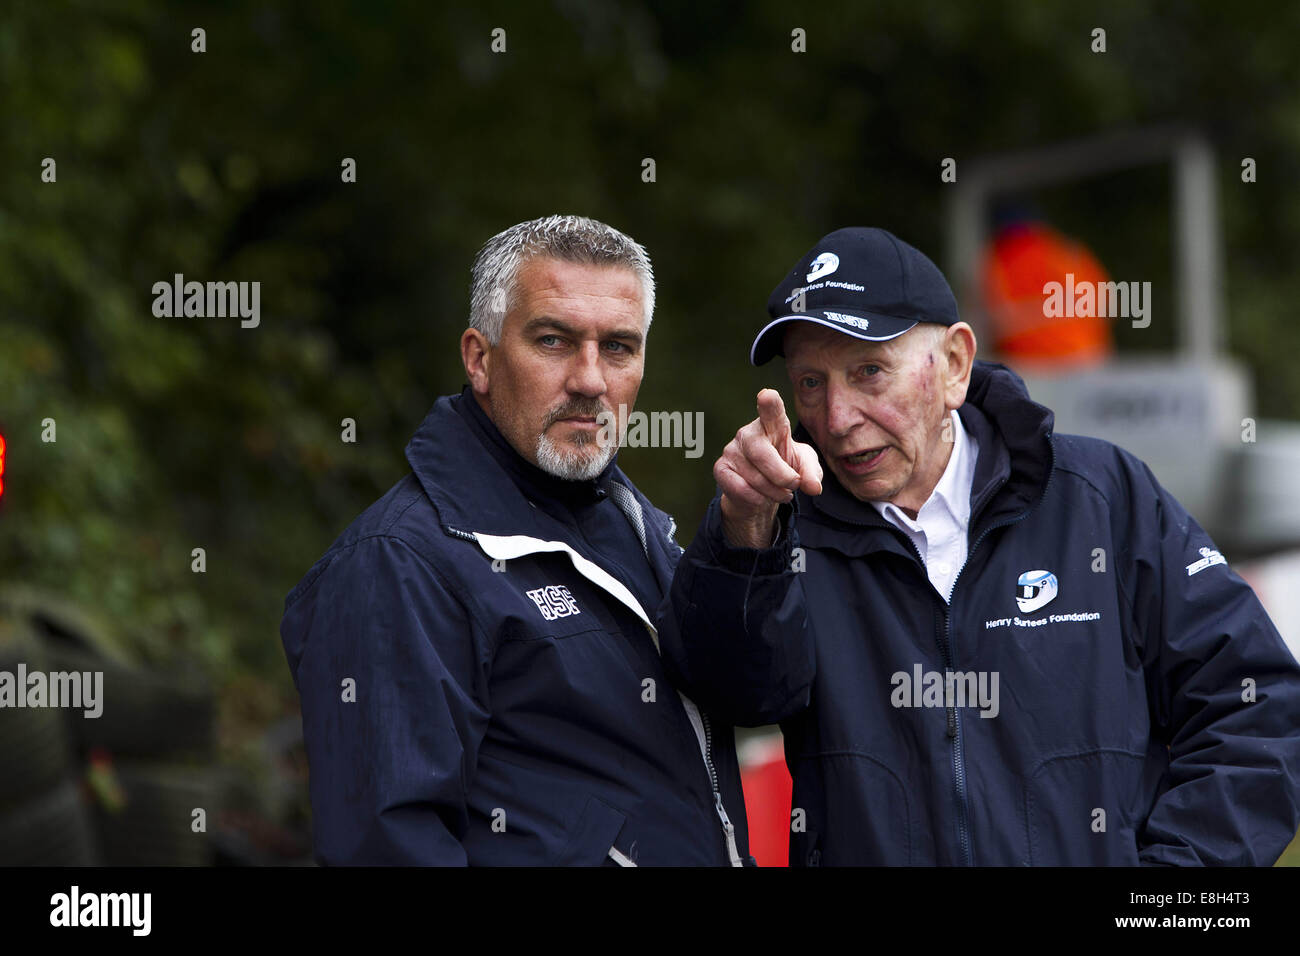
567, 238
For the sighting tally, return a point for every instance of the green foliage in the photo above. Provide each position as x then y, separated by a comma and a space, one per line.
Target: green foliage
183, 433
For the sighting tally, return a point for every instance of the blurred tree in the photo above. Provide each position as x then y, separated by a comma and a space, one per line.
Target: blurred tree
225, 165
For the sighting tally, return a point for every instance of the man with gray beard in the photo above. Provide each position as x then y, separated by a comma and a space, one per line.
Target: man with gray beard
477, 654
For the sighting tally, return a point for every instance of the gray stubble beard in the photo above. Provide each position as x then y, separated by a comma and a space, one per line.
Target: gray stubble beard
573, 466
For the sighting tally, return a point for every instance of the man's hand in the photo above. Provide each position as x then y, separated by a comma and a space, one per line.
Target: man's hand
759, 470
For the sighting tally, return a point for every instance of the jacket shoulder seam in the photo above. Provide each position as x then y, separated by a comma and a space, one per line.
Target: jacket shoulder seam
416, 494
336, 553
323, 563
1080, 474
1122, 586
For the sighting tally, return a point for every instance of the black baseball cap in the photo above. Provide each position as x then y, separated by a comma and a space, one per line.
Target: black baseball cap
864, 282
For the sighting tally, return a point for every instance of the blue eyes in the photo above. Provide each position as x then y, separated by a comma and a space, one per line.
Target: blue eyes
553, 341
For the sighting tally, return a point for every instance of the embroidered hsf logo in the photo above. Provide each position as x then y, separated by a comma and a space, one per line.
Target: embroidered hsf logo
554, 601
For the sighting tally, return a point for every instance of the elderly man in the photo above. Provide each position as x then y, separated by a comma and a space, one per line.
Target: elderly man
477, 654
996, 645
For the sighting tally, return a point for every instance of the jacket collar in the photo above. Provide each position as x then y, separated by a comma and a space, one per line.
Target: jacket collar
1014, 465
536, 484
478, 483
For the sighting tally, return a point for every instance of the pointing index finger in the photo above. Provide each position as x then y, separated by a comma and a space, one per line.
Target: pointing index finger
771, 413
776, 425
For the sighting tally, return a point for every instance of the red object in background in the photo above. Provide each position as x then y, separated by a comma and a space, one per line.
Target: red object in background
2, 464
1022, 258
766, 782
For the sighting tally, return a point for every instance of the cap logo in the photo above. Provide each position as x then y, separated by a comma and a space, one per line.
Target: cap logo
823, 265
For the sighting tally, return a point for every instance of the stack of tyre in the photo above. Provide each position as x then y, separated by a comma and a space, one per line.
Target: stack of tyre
43, 819
135, 786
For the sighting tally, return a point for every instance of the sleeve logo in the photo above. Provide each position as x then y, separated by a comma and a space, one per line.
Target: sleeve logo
1209, 557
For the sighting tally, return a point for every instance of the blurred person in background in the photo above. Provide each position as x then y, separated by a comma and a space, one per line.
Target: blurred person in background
1022, 257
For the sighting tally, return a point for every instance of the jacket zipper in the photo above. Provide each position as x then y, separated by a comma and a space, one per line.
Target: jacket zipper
945, 647
958, 752
954, 718
728, 828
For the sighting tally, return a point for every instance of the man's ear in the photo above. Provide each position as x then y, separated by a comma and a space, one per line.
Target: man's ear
957, 350
476, 356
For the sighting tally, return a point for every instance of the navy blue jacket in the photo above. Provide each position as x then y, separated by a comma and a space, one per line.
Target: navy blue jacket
480, 682
1147, 713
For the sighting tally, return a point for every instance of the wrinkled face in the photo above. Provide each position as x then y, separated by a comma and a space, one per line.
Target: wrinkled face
876, 410
572, 347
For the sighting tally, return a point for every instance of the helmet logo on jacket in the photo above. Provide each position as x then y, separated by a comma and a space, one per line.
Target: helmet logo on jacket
554, 601
1035, 589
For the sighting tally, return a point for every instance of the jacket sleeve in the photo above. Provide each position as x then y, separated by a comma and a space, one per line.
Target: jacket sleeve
393, 707
733, 628
1224, 693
